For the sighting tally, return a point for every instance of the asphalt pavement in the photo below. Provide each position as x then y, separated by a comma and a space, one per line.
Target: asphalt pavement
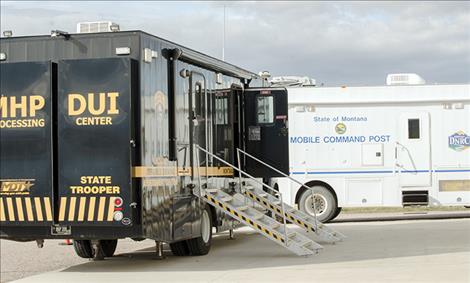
388, 251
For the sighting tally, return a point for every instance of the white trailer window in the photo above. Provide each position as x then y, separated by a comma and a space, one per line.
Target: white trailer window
265, 110
413, 129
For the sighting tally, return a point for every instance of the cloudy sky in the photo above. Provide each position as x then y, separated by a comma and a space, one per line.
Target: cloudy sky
337, 43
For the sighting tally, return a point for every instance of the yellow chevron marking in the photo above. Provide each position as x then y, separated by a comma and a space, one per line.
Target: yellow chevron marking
38, 206
81, 209
47, 205
91, 209
73, 201
2, 211
11, 212
111, 208
29, 209
19, 209
101, 209
63, 203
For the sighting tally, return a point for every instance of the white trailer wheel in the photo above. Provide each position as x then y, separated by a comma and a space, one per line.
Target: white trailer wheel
205, 227
320, 207
324, 200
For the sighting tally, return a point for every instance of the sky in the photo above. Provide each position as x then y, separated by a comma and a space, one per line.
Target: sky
336, 43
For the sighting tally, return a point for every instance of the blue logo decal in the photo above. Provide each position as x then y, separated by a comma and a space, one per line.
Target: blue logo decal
459, 141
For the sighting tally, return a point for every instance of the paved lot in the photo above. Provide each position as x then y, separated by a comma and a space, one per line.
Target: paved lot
411, 251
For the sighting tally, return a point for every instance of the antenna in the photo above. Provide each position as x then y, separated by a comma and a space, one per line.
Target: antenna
223, 39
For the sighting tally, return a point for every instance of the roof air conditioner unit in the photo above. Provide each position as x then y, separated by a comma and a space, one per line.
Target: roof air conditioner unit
405, 79
93, 27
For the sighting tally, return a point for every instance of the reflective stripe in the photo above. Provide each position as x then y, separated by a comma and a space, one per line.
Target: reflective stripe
38, 206
91, 209
63, 203
11, 212
81, 209
73, 201
29, 209
101, 208
47, 205
111, 209
2, 211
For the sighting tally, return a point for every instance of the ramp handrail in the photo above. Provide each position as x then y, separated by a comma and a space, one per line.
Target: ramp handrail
250, 177
283, 174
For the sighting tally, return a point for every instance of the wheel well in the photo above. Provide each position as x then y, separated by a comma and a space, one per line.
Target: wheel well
311, 184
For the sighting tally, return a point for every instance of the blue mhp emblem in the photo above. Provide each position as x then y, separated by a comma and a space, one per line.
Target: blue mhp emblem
459, 141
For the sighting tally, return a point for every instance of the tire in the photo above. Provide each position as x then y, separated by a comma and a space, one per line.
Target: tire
180, 248
324, 198
337, 212
202, 245
108, 247
83, 248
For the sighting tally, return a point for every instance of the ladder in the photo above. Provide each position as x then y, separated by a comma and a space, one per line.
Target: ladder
237, 205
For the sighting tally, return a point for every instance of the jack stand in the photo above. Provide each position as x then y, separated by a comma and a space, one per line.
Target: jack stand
40, 243
231, 234
97, 251
159, 250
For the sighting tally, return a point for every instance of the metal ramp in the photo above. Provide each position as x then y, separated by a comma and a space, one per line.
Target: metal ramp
240, 204
234, 205
312, 226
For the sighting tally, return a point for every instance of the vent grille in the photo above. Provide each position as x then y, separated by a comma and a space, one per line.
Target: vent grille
93, 27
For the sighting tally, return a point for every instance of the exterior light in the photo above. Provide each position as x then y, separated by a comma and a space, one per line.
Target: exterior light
123, 50
114, 27
7, 33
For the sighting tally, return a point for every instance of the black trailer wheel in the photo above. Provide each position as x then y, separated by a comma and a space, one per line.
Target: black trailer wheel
324, 200
202, 245
83, 248
337, 212
180, 248
108, 247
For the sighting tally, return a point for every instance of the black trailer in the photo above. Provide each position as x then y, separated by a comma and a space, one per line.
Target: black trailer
98, 135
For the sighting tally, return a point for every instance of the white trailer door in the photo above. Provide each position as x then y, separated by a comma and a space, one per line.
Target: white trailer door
414, 150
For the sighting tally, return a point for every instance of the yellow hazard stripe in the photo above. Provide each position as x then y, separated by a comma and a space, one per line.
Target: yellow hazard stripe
81, 209
2, 211
91, 209
245, 219
111, 209
265, 202
101, 209
73, 201
47, 205
11, 212
38, 207
29, 209
63, 203
70, 209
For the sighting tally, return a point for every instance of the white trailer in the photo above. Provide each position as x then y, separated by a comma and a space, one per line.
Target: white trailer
393, 145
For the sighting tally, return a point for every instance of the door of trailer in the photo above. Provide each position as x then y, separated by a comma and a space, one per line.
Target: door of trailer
266, 131
96, 142
26, 131
414, 150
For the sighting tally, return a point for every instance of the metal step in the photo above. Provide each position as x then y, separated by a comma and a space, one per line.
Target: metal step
263, 224
312, 226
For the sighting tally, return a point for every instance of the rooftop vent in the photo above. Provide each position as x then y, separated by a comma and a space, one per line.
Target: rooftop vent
405, 79
292, 81
93, 27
